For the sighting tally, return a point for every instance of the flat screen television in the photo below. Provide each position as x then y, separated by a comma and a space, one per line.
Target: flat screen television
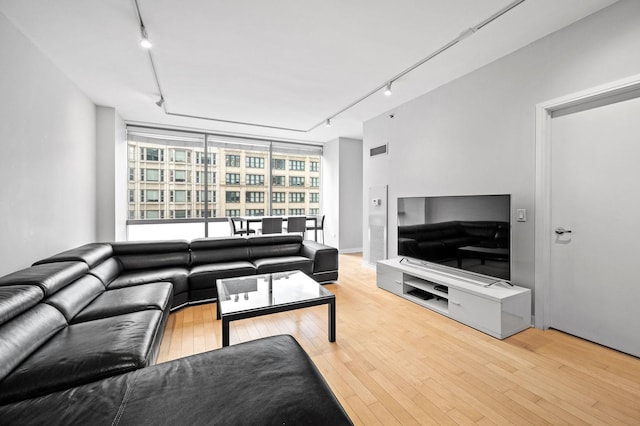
469, 232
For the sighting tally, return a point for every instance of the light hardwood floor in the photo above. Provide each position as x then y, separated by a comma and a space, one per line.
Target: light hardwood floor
395, 362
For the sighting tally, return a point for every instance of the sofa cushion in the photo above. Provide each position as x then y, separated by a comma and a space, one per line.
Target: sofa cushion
269, 381
284, 263
84, 352
15, 299
24, 334
74, 297
91, 254
50, 277
205, 276
216, 250
128, 299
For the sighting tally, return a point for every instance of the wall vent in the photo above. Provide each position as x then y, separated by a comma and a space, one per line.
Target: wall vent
378, 150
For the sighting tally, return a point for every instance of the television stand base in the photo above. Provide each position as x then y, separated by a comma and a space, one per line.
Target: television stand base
497, 310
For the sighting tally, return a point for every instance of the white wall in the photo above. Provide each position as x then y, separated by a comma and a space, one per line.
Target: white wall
342, 194
111, 180
47, 156
477, 134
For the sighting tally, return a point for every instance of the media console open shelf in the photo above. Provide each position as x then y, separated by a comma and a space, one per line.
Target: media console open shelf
499, 310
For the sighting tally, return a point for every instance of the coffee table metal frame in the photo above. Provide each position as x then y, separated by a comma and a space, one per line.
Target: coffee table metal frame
226, 318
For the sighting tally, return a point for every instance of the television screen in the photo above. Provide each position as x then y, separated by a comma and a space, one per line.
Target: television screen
471, 232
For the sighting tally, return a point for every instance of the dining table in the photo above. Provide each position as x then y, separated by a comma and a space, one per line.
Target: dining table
248, 220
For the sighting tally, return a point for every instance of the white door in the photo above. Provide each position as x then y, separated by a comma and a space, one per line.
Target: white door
594, 289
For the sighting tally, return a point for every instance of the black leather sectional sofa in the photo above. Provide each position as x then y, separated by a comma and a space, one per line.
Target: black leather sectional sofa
438, 241
80, 332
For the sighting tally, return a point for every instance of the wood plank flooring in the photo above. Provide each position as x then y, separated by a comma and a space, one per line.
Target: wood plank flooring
396, 363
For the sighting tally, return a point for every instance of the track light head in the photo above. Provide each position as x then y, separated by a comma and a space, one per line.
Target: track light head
144, 42
161, 101
327, 123
387, 90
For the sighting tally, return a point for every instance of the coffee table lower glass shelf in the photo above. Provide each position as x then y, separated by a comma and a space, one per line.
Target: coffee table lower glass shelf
256, 295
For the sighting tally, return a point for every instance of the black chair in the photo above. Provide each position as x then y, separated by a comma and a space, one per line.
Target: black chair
271, 225
296, 224
234, 231
318, 225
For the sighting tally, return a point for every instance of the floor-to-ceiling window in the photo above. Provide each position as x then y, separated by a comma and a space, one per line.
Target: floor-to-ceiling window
185, 184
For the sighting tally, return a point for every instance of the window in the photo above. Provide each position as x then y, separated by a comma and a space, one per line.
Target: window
296, 197
232, 160
180, 214
254, 197
255, 162
181, 156
152, 154
152, 175
151, 196
181, 196
278, 164
277, 212
179, 175
200, 197
278, 197
200, 213
153, 214
255, 179
314, 197
166, 176
232, 178
296, 165
255, 212
232, 212
296, 181
314, 212
200, 177
296, 212
211, 158
232, 196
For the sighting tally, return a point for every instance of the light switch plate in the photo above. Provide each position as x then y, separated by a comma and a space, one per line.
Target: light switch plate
521, 215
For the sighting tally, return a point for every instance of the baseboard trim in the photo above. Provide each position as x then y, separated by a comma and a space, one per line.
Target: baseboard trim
350, 250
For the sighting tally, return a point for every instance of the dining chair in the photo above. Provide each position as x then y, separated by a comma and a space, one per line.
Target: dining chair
296, 224
234, 231
271, 225
318, 225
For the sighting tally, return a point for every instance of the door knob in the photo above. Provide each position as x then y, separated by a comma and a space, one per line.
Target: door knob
560, 230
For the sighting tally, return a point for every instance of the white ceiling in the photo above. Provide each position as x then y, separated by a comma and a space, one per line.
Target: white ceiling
280, 63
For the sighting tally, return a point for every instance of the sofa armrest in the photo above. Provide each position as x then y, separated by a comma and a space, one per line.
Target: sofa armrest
325, 258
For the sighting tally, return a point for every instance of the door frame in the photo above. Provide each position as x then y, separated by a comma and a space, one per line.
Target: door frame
543, 225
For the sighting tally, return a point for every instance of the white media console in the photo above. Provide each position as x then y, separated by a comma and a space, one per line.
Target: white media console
493, 307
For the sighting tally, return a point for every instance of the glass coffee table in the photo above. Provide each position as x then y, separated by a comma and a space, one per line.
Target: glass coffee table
256, 295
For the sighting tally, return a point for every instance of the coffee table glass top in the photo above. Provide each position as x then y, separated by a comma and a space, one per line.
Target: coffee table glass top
258, 292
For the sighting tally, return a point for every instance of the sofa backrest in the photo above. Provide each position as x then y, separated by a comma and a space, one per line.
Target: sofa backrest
26, 322
151, 254
214, 250
274, 246
107, 271
50, 277
76, 296
91, 254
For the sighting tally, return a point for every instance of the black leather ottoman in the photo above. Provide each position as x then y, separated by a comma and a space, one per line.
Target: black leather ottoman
269, 381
